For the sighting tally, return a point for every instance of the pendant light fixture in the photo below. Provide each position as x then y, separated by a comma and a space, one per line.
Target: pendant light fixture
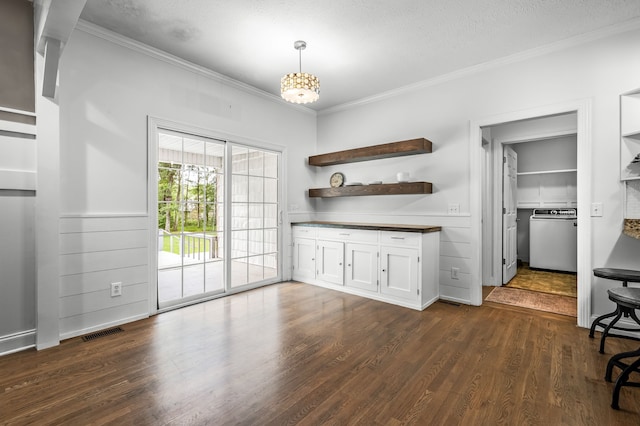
300, 87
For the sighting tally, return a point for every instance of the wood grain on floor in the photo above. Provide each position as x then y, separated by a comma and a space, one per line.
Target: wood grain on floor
298, 354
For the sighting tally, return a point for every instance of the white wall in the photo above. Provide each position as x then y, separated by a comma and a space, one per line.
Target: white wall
550, 154
107, 91
17, 236
598, 70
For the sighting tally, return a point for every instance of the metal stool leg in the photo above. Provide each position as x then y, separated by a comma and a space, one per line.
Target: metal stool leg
615, 360
605, 332
632, 314
596, 322
622, 380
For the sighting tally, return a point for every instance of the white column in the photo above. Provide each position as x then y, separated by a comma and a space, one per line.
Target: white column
47, 214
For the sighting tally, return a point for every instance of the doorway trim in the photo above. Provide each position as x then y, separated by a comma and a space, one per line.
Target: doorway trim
582, 108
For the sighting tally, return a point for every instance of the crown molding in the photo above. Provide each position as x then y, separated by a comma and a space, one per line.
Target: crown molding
163, 56
602, 33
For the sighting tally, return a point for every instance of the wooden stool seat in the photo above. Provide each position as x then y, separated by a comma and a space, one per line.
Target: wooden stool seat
629, 297
626, 275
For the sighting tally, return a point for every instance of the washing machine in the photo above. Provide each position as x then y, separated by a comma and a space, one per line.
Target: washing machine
553, 239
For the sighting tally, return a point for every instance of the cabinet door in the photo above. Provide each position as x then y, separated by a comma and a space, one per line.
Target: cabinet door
330, 261
304, 259
361, 266
399, 272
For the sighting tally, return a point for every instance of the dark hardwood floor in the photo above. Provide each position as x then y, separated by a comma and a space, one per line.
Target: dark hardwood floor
299, 354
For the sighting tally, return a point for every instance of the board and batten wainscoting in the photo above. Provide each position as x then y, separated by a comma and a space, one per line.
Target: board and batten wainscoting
455, 252
455, 246
94, 252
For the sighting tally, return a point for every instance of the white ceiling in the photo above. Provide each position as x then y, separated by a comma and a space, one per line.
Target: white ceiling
358, 48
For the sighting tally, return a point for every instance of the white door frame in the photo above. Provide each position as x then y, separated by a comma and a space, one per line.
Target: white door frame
583, 110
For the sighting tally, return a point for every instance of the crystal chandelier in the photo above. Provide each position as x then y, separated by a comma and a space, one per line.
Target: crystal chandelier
300, 87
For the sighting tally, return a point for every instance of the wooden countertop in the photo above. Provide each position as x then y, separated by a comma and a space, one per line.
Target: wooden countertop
423, 229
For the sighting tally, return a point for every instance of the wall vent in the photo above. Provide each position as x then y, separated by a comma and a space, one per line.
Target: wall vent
102, 333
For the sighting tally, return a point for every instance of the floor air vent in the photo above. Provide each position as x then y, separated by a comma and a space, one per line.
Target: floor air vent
101, 333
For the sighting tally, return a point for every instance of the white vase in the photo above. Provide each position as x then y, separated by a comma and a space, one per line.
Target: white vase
402, 177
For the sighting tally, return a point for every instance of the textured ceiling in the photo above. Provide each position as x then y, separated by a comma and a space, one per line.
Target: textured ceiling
358, 48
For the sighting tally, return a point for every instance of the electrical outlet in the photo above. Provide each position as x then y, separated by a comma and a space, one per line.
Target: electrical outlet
454, 273
116, 289
454, 208
596, 209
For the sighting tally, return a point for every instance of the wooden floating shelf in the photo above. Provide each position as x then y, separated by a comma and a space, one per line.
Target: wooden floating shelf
381, 189
387, 150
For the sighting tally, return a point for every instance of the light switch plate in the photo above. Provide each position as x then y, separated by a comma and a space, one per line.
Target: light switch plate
596, 209
454, 208
454, 273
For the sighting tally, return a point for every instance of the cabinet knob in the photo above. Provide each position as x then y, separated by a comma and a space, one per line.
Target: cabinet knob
349, 265
340, 264
384, 270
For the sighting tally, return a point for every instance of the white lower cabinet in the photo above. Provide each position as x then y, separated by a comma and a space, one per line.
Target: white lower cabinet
361, 266
330, 261
391, 266
304, 259
399, 272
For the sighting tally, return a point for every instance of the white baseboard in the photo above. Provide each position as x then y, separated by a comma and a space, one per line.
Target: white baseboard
454, 300
17, 342
368, 295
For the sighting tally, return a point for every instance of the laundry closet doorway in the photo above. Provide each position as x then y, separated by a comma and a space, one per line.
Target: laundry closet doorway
485, 264
546, 152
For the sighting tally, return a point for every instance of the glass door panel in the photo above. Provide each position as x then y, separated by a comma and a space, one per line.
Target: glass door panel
254, 252
190, 264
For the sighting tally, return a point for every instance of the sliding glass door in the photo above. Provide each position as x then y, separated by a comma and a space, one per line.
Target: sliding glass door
194, 173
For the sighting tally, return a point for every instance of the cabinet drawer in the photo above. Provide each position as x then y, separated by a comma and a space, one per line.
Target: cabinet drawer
406, 239
347, 234
304, 231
